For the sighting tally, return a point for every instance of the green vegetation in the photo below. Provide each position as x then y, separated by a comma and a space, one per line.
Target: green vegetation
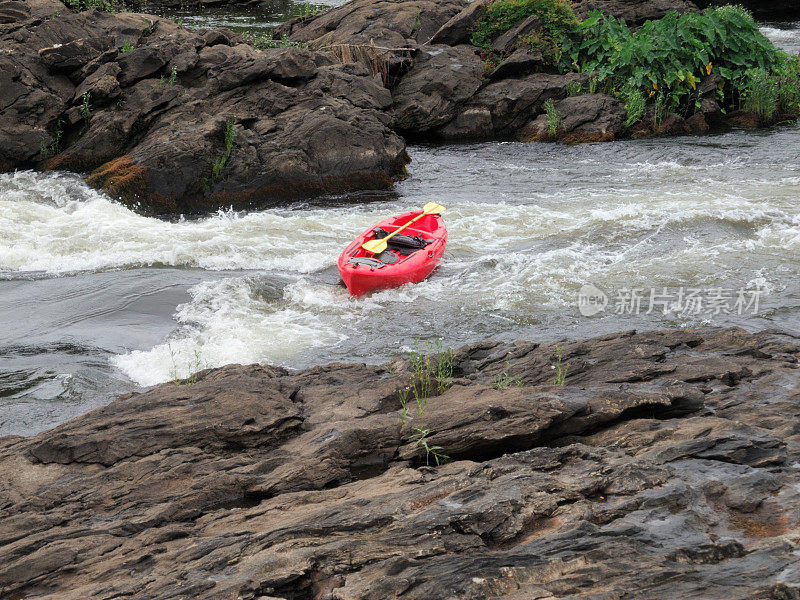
263, 41
760, 93
560, 367
574, 88
788, 76
54, 146
634, 104
663, 63
126, 47
557, 20
431, 374
672, 55
504, 381
169, 81
420, 441
553, 119
111, 6
86, 108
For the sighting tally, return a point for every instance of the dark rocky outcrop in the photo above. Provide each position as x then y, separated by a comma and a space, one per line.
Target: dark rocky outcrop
665, 467
142, 105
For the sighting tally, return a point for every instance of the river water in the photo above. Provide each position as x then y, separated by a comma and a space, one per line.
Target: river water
96, 300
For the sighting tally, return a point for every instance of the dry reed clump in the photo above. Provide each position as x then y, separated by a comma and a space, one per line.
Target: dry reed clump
376, 58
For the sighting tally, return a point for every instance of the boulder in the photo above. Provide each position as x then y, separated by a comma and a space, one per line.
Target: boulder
521, 62
441, 80
508, 40
510, 104
664, 467
587, 118
458, 29
385, 23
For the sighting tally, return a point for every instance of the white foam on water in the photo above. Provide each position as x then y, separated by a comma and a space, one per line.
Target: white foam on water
226, 322
520, 246
46, 226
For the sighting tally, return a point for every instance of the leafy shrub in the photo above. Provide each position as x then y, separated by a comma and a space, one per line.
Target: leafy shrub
557, 21
672, 54
788, 75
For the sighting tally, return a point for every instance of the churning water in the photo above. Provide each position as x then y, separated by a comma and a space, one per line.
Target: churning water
96, 300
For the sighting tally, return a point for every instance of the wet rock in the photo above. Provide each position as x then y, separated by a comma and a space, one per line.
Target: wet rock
159, 100
654, 472
385, 23
521, 62
13, 11
443, 78
508, 40
459, 29
587, 118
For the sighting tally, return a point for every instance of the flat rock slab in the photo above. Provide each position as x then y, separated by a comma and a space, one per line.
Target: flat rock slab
666, 467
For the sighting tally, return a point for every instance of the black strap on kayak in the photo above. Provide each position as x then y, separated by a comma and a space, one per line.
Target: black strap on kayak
402, 242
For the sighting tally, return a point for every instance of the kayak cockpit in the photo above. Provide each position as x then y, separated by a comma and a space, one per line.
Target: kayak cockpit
397, 248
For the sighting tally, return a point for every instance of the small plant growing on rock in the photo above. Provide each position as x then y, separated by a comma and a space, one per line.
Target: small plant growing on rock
431, 372
86, 108
420, 442
54, 146
308, 11
126, 47
503, 380
219, 165
560, 367
574, 88
553, 119
169, 81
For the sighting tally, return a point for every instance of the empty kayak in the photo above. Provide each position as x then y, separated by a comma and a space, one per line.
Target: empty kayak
408, 258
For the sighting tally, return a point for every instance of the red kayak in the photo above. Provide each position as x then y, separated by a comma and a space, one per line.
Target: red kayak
408, 258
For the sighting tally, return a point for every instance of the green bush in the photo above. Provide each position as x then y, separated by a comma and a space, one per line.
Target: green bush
557, 21
671, 55
788, 75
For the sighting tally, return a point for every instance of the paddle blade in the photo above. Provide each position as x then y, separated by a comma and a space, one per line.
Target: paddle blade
432, 208
374, 246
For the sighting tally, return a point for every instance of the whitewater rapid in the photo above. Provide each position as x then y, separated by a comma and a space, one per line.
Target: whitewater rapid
98, 300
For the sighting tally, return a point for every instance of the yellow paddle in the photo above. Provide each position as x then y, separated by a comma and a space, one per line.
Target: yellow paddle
378, 246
